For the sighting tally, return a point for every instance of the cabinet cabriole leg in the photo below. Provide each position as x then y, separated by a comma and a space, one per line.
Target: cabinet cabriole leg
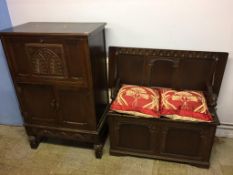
34, 141
98, 150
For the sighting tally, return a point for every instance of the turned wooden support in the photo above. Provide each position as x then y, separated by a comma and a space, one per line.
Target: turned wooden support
34, 141
98, 150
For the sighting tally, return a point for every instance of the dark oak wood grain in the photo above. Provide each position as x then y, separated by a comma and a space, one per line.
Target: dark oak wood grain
59, 73
161, 138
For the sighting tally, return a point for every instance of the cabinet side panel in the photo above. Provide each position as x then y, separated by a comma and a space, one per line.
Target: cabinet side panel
9, 109
99, 72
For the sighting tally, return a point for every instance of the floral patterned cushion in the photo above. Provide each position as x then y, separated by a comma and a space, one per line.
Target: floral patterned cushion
184, 105
137, 100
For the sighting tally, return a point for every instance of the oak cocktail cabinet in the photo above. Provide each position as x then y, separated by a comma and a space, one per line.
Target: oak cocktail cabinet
60, 78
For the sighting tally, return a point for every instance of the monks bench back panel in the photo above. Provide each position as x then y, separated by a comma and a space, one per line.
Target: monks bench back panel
163, 138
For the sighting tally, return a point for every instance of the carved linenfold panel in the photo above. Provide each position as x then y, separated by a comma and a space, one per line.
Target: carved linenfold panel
46, 59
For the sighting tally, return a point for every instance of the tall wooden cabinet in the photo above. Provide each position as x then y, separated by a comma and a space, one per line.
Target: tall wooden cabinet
59, 73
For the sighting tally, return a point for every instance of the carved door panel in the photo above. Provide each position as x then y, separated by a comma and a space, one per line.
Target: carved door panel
46, 59
43, 58
38, 103
76, 108
133, 136
185, 142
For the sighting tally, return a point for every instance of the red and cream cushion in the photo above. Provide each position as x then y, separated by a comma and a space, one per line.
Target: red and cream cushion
137, 100
184, 105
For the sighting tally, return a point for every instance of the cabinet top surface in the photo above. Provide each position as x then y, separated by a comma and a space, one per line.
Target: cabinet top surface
82, 29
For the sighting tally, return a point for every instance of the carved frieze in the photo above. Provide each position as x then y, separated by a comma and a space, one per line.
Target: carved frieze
166, 53
64, 134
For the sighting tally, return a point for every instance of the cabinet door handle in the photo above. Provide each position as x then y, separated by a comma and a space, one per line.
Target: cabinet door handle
57, 105
52, 103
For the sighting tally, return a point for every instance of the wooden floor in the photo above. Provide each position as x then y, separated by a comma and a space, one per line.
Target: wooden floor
17, 158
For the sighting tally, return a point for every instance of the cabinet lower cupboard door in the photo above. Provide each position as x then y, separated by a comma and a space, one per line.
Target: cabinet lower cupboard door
37, 103
74, 105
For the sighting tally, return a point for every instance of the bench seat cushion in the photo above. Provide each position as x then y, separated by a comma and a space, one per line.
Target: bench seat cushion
184, 105
137, 100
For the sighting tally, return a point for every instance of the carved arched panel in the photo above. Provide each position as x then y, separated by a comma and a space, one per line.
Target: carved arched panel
46, 59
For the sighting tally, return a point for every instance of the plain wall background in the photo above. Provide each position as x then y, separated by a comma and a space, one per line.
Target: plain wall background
9, 109
175, 24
